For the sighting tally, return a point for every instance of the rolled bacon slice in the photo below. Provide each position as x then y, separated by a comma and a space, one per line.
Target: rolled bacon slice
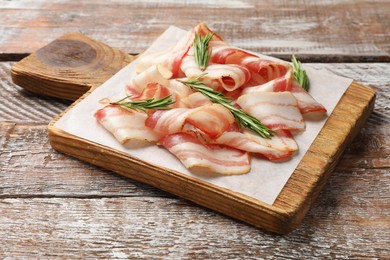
152, 90
212, 119
154, 74
126, 126
218, 76
281, 146
276, 110
196, 100
172, 57
200, 157
306, 103
279, 84
262, 70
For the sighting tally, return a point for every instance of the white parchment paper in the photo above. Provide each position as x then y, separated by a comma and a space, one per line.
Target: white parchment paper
265, 180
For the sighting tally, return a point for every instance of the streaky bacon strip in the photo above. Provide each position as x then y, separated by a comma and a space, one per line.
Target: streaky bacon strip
168, 121
172, 58
262, 70
198, 156
126, 125
219, 76
152, 90
276, 110
281, 146
276, 85
196, 100
225, 54
202, 30
213, 120
265, 70
154, 74
306, 103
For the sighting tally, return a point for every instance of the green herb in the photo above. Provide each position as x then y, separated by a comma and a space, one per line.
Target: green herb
201, 53
242, 118
300, 74
142, 105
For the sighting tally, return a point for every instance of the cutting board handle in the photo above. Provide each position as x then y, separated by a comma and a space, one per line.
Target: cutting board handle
69, 66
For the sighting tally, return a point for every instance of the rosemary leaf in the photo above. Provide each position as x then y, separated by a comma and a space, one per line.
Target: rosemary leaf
201, 53
242, 118
143, 105
300, 74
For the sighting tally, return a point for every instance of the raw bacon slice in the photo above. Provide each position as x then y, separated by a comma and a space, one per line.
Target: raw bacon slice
276, 85
276, 110
213, 120
219, 76
154, 74
168, 121
265, 70
152, 90
281, 146
173, 57
196, 100
262, 70
126, 126
202, 30
224, 54
306, 103
206, 157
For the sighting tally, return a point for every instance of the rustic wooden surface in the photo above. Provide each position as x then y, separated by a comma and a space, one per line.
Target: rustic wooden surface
53, 206
347, 30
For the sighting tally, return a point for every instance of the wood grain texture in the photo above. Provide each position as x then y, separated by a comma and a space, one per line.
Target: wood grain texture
349, 219
127, 228
70, 66
347, 30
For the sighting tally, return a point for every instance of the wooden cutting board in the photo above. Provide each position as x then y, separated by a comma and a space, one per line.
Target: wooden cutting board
72, 66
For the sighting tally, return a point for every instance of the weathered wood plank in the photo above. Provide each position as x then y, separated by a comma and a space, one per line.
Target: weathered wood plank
329, 29
337, 227
19, 105
30, 167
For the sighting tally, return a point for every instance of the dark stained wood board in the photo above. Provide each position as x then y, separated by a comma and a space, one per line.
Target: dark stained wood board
291, 205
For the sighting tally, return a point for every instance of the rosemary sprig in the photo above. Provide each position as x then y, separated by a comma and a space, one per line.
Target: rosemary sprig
142, 105
300, 74
201, 53
242, 118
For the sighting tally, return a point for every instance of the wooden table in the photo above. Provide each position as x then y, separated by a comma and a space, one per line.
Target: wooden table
54, 206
